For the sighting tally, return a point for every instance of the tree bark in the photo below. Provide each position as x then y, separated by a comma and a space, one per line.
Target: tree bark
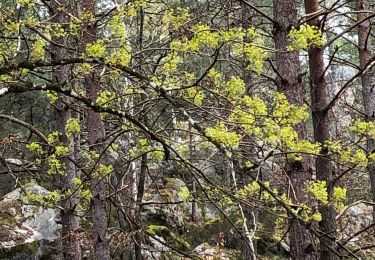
367, 78
70, 220
323, 165
96, 136
302, 243
139, 240
248, 247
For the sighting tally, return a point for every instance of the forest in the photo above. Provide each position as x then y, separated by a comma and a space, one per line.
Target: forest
177, 129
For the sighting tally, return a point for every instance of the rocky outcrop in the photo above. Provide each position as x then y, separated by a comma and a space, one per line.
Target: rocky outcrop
26, 229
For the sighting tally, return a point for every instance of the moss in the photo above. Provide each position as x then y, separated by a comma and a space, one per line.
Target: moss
167, 193
9, 211
169, 236
19, 250
201, 234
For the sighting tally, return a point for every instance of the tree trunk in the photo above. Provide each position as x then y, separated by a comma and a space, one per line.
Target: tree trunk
96, 136
140, 193
301, 240
248, 247
323, 165
70, 220
139, 240
367, 78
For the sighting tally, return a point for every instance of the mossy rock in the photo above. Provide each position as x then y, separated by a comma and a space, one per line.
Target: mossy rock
20, 252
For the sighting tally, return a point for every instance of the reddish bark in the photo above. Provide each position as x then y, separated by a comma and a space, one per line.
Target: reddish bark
96, 136
302, 242
367, 78
323, 165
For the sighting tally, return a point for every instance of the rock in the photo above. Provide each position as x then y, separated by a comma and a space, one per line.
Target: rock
207, 251
354, 219
26, 229
6, 184
167, 207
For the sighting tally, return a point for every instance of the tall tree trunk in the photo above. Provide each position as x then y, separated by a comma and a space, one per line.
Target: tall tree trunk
70, 220
321, 134
367, 78
96, 136
248, 246
302, 242
139, 240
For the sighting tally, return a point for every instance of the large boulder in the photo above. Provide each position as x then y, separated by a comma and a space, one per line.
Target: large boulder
26, 229
167, 206
354, 219
356, 227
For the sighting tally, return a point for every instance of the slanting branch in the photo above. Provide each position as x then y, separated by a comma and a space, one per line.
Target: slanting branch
256, 9
338, 36
26, 87
366, 68
28, 126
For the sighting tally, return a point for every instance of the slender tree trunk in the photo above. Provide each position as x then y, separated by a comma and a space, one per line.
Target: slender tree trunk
140, 193
368, 93
248, 247
144, 159
302, 242
69, 218
96, 136
321, 134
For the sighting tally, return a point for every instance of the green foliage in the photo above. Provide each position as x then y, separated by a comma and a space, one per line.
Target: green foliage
339, 196
72, 127
195, 95
104, 170
35, 147
317, 216
47, 201
53, 137
363, 128
96, 49
235, 87
55, 166
104, 98
318, 190
61, 150
26, 3
120, 57
305, 37
176, 18
222, 135
250, 49
248, 189
117, 27
170, 236
287, 113
38, 49
185, 194
171, 62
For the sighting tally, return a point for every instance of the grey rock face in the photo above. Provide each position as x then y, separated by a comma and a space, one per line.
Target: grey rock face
26, 228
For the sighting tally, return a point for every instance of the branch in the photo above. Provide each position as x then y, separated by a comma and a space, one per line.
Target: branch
25, 87
367, 67
28, 126
256, 9
347, 30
